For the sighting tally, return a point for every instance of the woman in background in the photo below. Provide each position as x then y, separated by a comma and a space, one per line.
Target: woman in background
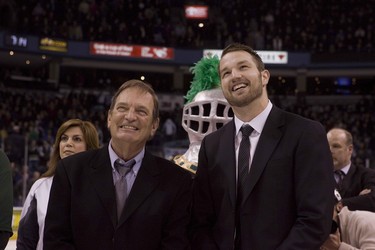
72, 137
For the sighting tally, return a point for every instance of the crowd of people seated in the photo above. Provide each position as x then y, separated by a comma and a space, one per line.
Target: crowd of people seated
315, 26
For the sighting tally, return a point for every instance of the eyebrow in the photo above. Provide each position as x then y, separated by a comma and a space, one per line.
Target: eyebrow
240, 62
137, 106
72, 135
243, 61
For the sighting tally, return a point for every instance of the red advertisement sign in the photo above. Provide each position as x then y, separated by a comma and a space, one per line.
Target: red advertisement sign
114, 49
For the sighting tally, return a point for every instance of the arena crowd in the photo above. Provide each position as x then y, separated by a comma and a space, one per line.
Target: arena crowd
315, 26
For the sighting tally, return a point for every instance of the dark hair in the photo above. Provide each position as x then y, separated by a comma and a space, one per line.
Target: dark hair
242, 47
144, 87
90, 135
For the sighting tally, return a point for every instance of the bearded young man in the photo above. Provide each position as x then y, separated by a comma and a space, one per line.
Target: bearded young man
280, 196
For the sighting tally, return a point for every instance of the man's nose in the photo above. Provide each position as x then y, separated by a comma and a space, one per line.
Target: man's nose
130, 115
236, 73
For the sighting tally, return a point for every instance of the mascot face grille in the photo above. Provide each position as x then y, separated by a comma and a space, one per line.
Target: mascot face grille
203, 117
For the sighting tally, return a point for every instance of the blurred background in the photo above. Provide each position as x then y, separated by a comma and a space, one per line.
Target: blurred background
64, 59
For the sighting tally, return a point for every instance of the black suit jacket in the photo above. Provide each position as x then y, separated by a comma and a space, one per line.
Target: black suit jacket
82, 206
288, 200
357, 179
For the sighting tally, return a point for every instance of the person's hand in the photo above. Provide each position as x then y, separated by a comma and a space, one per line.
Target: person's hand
365, 191
333, 242
339, 206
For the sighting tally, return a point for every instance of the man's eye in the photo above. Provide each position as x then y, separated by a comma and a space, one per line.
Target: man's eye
142, 112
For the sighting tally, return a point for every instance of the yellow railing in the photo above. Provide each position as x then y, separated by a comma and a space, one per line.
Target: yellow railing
16, 221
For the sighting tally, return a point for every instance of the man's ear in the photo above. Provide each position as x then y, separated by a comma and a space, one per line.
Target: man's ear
265, 74
155, 126
109, 117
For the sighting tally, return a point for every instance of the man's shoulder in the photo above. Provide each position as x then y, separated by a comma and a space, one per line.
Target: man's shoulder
294, 117
86, 159
217, 133
361, 170
88, 154
168, 167
295, 122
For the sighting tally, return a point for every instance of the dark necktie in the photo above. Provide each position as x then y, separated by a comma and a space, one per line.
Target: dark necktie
243, 157
121, 184
340, 176
243, 170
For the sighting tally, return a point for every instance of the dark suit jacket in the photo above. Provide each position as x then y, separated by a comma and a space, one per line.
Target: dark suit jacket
6, 200
288, 200
357, 179
82, 208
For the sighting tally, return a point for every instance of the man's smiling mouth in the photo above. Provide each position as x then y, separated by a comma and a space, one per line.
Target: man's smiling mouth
238, 86
128, 127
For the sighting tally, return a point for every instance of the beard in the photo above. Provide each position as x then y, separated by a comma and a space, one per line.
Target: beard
255, 92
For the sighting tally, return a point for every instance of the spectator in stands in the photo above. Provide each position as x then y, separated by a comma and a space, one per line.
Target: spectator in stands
6, 200
351, 179
72, 137
35, 154
15, 145
88, 206
169, 129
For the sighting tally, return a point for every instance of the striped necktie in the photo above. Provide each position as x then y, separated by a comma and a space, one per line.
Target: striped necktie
121, 185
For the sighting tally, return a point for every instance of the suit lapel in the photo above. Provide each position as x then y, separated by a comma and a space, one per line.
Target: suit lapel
145, 182
347, 180
228, 159
268, 141
101, 177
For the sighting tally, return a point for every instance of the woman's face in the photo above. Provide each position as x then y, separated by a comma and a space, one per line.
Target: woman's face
71, 142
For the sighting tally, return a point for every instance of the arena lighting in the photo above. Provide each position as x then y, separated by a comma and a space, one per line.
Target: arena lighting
196, 11
343, 81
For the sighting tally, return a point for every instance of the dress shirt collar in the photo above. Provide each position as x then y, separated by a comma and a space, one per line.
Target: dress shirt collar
257, 122
346, 168
138, 158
